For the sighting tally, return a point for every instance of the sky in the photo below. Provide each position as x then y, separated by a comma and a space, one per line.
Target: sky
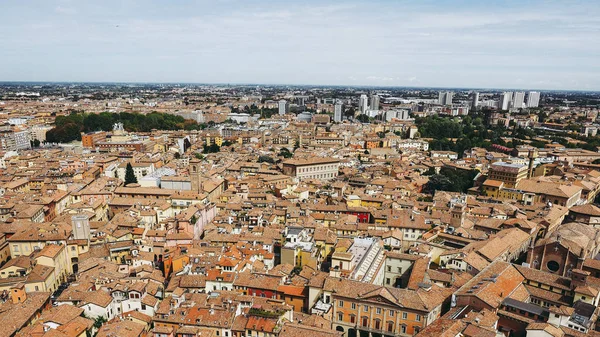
524, 44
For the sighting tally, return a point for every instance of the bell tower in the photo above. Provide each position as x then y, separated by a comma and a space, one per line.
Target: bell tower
458, 215
194, 169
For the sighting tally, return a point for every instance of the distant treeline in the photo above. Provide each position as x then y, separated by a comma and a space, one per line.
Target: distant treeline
69, 128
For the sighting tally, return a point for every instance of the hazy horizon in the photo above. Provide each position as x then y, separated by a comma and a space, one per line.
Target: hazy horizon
431, 44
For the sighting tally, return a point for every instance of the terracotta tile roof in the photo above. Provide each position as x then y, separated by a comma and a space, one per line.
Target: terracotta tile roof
122, 329
298, 330
493, 284
546, 327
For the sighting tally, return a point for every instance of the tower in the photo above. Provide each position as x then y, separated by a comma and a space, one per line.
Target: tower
337, 112
533, 153
518, 99
363, 104
475, 102
195, 168
533, 99
445, 98
80, 224
284, 107
374, 102
505, 100
458, 215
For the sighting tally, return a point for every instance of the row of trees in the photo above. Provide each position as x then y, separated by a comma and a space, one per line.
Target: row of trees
452, 180
69, 128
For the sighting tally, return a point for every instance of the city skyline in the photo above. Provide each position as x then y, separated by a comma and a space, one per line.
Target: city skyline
448, 44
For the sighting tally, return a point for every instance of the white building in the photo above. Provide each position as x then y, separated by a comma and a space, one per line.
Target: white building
401, 114
397, 265
284, 107
533, 99
14, 140
363, 104
413, 145
518, 100
475, 101
505, 100
374, 102
445, 98
242, 117
337, 112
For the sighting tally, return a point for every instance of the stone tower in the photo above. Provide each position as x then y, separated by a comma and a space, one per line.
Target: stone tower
195, 168
532, 155
458, 215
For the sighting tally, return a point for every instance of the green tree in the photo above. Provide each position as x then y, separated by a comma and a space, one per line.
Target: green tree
266, 159
130, 175
363, 118
285, 153
213, 148
452, 180
99, 321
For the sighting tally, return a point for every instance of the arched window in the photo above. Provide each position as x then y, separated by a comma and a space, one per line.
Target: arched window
377, 324
365, 321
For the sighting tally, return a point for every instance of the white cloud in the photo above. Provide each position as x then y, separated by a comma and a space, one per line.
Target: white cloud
387, 43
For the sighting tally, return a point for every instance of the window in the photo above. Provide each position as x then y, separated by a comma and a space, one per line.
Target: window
341, 303
16, 248
403, 328
366, 308
404, 315
378, 310
389, 268
390, 326
553, 266
377, 324
365, 321
418, 318
353, 306
391, 313
340, 316
72, 248
143, 307
352, 318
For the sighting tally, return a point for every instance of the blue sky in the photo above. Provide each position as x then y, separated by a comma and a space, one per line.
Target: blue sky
488, 44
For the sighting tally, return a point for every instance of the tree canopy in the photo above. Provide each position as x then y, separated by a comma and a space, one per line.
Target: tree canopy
452, 180
68, 128
130, 177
